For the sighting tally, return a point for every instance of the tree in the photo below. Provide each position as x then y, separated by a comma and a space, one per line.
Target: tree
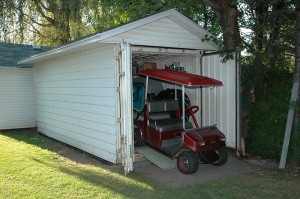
272, 41
12, 20
56, 17
54, 22
227, 13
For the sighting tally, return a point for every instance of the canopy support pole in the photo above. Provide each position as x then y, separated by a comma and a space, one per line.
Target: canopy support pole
183, 108
146, 90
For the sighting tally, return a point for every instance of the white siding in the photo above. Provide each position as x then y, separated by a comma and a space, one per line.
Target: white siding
76, 101
163, 32
226, 97
16, 98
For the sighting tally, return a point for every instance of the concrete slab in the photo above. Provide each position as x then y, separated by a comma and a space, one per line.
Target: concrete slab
206, 173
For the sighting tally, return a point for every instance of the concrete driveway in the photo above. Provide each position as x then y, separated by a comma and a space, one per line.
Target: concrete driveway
206, 173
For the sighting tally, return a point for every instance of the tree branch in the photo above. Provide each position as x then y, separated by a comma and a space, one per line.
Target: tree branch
214, 4
38, 23
39, 9
36, 30
44, 7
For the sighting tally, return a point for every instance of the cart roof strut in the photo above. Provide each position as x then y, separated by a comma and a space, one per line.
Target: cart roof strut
179, 77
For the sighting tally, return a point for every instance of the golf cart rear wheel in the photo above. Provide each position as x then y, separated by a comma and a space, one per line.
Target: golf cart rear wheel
137, 138
187, 162
223, 157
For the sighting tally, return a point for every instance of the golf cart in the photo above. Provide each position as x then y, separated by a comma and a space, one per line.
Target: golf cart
162, 126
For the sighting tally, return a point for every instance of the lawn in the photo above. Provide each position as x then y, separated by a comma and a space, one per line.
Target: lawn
34, 166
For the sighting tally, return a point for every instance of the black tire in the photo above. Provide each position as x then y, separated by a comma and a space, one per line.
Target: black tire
137, 138
223, 157
187, 162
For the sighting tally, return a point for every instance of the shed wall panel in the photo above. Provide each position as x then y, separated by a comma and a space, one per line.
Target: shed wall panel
226, 97
75, 100
17, 109
163, 32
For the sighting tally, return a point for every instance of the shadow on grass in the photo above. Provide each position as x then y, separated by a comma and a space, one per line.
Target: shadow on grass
133, 185
33, 137
117, 183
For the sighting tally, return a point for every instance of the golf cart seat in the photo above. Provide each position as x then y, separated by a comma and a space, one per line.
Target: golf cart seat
168, 124
160, 116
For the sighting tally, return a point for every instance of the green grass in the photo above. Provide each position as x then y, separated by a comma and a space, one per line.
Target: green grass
31, 168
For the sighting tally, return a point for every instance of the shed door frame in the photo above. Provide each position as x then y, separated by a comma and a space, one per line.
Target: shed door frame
126, 108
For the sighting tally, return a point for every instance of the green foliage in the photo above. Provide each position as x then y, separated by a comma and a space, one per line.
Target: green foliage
54, 22
12, 23
271, 43
60, 21
294, 148
268, 116
271, 46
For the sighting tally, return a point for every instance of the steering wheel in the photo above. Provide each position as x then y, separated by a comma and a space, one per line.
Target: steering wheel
191, 111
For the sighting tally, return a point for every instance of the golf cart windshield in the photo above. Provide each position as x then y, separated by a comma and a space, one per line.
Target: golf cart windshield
184, 80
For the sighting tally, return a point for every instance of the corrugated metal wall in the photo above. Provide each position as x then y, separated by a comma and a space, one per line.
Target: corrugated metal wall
227, 95
76, 100
191, 63
227, 101
17, 108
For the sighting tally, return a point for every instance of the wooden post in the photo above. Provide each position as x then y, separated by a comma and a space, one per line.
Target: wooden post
288, 127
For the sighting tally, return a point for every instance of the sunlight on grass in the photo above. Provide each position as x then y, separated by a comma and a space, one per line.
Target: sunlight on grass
29, 169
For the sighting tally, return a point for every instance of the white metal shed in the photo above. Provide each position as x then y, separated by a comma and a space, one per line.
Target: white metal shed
83, 89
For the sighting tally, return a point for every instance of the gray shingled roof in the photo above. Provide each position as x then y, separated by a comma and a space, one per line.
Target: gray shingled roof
10, 53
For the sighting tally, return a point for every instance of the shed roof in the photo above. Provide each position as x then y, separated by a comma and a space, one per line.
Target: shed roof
11, 53
120, 34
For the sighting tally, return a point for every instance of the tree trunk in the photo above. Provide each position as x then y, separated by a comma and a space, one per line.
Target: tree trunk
259, 19
260, 9
227, 13
229, 24
63, 27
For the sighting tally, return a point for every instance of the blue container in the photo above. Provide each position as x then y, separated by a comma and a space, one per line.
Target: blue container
138, 95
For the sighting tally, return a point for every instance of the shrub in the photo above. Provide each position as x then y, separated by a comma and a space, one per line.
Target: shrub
268, 117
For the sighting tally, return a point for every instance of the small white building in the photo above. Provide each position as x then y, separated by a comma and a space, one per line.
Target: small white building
83, 90
17, 106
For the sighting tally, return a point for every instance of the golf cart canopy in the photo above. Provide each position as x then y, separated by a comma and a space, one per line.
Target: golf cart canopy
179, 77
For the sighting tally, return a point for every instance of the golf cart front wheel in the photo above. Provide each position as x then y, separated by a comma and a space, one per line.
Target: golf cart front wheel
222, 157
187, 162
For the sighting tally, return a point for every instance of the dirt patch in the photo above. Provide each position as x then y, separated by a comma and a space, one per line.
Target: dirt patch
206, 172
